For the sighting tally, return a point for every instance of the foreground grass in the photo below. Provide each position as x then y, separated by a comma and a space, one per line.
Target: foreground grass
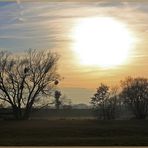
74, 133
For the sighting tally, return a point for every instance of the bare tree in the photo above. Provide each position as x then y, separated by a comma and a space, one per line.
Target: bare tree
135, 95
104, 102
25, 77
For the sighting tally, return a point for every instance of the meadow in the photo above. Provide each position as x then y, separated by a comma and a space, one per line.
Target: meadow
74, 133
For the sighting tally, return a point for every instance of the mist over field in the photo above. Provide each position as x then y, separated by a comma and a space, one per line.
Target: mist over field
73, 73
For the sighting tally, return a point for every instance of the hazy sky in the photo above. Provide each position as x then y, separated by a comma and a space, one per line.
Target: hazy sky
48, 25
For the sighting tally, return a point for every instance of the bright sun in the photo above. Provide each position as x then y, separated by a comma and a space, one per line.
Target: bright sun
102, 41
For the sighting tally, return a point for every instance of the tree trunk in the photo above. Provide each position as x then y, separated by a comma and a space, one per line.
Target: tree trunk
17, 112
21, 114
27, 110
27, 113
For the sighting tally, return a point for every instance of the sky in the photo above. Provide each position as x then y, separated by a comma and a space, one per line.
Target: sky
49, 25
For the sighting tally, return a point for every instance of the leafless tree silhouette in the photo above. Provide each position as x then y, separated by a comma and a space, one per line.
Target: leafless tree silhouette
25, 77
105, 102
135, 95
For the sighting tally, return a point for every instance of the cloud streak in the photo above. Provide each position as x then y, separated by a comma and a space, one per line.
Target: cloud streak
47, 25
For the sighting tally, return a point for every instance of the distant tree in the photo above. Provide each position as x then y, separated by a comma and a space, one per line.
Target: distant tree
104, 102
57, 101
24, 78
135, 95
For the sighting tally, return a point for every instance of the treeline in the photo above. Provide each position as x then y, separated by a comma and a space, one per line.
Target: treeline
133, 95
29, 77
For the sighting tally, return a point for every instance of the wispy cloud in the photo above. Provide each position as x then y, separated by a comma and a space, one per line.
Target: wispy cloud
47, 25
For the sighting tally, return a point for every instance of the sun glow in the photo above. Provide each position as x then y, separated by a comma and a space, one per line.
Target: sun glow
102, 41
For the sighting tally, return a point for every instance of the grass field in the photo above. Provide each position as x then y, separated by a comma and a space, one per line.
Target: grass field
74, 133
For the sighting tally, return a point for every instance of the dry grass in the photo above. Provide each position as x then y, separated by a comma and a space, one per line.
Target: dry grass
73, 133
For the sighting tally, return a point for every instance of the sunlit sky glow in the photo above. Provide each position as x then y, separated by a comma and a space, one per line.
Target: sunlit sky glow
102, 41
57, 26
